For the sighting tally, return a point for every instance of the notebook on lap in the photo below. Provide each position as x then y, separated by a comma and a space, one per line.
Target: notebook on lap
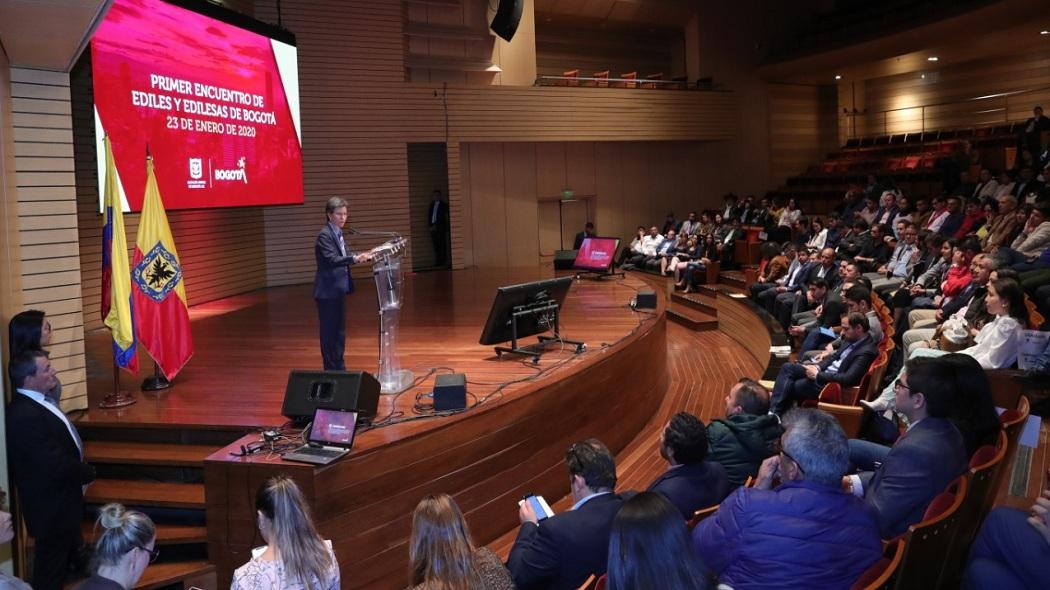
331, 436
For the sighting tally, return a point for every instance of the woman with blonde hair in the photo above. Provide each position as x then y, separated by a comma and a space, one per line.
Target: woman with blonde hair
125, 547
295, 556
442, 556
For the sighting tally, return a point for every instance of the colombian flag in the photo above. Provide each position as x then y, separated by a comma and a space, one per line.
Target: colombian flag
159, 293
118, 311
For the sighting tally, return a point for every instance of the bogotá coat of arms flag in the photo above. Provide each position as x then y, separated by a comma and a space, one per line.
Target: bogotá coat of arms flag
163, 322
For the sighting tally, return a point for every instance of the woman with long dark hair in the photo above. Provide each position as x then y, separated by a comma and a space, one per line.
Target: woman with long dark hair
649, 548
973, 412
30, 330
295, 556
442, 555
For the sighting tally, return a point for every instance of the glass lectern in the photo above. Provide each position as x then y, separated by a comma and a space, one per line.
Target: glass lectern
387, 274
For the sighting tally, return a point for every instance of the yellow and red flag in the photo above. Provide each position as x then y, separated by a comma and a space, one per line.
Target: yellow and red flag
159, 288
118, 310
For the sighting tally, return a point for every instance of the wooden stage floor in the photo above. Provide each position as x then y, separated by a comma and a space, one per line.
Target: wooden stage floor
246, 345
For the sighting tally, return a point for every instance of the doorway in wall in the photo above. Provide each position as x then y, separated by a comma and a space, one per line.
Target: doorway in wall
428, 172
559, 222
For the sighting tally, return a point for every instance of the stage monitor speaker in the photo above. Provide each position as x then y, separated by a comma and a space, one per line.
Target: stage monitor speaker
508, 14
450, 392
564, 259
645, 299
341, 390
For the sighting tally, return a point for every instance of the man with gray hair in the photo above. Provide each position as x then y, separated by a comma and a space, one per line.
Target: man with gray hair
332, 283
804, 530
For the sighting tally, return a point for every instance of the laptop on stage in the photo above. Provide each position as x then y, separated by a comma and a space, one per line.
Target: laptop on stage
331, 436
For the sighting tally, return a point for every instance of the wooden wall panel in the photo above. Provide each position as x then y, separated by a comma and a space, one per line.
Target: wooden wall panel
489, 205
803, 127
955, 83
560, 49
519, 185
47, 220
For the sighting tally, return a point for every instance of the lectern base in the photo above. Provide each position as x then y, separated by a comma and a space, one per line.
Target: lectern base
395, 381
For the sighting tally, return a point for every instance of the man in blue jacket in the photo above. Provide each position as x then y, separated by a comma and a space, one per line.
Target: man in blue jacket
691, 483
562, 551
804, 533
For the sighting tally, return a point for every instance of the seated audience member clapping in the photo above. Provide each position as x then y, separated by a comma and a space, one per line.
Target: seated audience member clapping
747, 434
804, 533
1012, 549
442, 554
899, 482
649, 548
691, 483
295, 556
797, 382
562, 551
125, 546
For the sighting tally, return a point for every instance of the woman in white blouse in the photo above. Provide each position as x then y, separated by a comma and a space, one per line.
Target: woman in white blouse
996, 343
820, 235
790, 214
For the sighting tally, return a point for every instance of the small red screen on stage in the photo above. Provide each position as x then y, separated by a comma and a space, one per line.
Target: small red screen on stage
217, 106
333, 427
596, 254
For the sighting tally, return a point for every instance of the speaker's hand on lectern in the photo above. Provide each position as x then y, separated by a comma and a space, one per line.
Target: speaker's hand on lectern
364, 257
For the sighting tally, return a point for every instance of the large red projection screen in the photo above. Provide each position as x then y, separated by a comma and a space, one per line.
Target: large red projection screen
217, 106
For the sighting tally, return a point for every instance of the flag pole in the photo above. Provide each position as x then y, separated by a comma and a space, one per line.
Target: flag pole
157, 381
117, 399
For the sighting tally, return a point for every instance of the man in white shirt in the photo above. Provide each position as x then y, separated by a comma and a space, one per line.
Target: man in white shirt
46, 457
987, 185
652, 241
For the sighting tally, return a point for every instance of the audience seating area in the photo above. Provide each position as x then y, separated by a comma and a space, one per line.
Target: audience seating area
603, 79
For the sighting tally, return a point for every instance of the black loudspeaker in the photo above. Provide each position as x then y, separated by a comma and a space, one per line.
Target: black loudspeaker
508, 14
341, 390
645, 299
564, 259
450, 392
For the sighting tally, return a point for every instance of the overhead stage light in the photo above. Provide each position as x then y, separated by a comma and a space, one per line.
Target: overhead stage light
932, 58
838, 77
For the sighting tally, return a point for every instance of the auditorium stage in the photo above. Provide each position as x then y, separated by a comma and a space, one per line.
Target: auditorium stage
487, 457
246, 345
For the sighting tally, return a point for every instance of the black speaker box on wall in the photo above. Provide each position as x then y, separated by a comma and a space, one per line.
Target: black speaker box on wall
508, 15
341, 390
564, 259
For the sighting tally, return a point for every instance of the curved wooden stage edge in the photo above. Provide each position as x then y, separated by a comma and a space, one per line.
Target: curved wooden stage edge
487, 457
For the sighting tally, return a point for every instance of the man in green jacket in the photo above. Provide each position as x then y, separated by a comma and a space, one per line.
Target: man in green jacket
746, 436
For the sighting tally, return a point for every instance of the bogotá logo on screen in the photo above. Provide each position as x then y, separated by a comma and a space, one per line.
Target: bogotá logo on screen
233, 174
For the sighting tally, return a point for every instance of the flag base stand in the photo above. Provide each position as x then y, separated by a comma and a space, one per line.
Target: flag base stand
117, 399
157, 381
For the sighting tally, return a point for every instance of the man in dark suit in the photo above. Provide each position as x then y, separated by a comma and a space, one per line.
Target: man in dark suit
560, 552
691, 483
1026, 184
797, 382
47, 465
588, 232
438, 221
332, 283
1031, 133
900, 482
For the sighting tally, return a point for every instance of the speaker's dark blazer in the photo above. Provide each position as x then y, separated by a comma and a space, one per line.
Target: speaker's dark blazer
332, 280
918, 467
46, 468
692, 487
562, 551
853, 367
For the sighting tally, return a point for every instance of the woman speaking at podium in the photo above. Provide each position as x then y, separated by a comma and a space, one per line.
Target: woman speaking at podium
332, 283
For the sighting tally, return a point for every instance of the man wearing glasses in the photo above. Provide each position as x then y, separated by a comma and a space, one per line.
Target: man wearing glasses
899, 482
778, 535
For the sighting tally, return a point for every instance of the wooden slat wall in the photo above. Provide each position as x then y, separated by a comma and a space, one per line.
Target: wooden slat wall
47, 219
221, 250
427, 170
952, 83
803, 127
358, 114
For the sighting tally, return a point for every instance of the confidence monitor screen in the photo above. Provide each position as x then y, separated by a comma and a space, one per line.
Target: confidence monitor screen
216, 105
596, 254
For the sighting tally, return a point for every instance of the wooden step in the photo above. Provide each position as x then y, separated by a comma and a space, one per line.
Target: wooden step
691, 318
695, 301
146, 493
134, 453
167, 534
733, 278
192, 573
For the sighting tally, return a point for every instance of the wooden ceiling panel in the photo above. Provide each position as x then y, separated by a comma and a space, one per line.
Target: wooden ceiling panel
47, 34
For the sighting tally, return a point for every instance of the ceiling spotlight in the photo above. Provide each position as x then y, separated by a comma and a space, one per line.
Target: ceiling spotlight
837, 77
932, 58
923, 76
1044, 32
